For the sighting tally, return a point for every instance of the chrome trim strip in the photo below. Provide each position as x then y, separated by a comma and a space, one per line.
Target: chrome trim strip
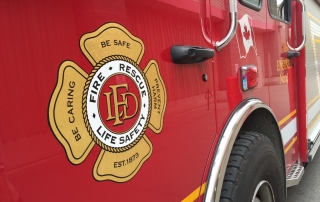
233, 26
203, 15
303, 29
314, 149
224, 147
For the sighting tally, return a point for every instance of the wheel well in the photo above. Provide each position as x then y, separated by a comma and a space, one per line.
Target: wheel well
251, 114
262, 121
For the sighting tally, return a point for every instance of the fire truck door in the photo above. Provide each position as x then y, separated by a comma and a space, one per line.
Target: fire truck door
148, 135
281, 71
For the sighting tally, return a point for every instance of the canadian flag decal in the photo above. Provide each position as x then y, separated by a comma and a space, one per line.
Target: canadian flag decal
245, 36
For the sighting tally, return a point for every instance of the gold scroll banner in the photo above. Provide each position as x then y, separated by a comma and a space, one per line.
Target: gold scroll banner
111, 39
65, 113
121, 167
158, 96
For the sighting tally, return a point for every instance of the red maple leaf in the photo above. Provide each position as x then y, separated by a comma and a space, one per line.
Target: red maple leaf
246, 33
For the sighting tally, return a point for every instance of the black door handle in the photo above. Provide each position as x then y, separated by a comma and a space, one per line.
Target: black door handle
290, 54
190, 54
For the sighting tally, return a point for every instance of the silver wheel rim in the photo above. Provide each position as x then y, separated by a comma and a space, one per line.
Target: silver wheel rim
263, 192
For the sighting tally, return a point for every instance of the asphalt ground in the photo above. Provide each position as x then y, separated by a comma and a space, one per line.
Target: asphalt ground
308, 190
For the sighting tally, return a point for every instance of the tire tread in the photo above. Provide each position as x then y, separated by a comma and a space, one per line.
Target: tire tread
237, 158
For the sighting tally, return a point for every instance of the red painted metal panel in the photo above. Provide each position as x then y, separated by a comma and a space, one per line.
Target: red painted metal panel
37, 36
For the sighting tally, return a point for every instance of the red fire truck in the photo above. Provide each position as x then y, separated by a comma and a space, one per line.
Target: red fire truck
158, 100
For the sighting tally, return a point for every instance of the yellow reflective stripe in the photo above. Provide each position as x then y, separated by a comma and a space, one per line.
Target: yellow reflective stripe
316, 19
313, 122
287, 117
195, 194
290, 145
314, 99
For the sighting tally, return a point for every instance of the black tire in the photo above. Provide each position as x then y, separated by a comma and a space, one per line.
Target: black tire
253, 158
